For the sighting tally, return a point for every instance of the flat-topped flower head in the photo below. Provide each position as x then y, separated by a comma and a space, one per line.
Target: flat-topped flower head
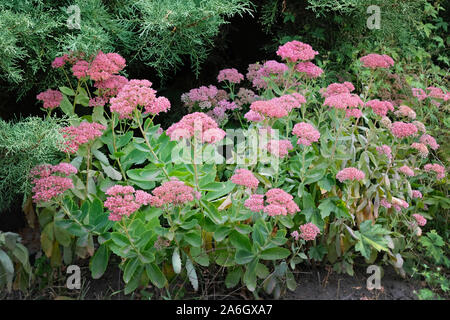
351, 174
75, 136
279, 148
386, 150
51, 181
270, 67
254, 116
343, 101
380, 108
245, 96
105, 65
402, 130
51, 98
124, 200
421, 221
309, 231
279, 197
132, 95
174, 192
255, 202
437, 93
295, 50
59, 62
405, 111
309, 69
420, 126
353, 113
244, 178
337, 88
416, 194
160, 104
197, 124
407, 171
429, 141
374, 61
419, 93
111, 86
437, 168
422, 148
305, 133
230, 75
80, 69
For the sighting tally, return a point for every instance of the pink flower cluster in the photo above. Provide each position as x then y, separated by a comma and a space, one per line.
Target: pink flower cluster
437, 168
230, 75
310, 69
108, 88
173, 192
305, 133
407, 171
309, 231
385, 203
420, 126
398, 204
374, 61
353, 112
337, 88
419, 93
416, 194
380, 108
245, 178
386, 150
402, 130
135, 93
204, 97
84, 133
51, 98
124, 200
105, 65
80, 69
245, 96
271, 67
295, 50
196, 123
421, 221
422, 148
279, 202
59, 62
50, 181
160, 104
350, 174
405, 111
343, 101
430, 141
278, 107
279, 148
437, 93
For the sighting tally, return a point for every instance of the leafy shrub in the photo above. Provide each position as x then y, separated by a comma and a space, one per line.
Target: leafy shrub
157, 33
23, 145
323, 174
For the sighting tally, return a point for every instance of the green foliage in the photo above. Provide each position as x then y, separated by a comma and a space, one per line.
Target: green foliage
23, 145
157, 33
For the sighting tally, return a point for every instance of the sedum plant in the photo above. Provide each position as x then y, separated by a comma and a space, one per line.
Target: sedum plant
318, 174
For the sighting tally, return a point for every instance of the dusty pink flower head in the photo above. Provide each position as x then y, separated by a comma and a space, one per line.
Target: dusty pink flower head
133, 94
245, 96
420, 94
423, 150
416, 194
59, 62
343, 101
398, 204
380, 108
385, 203
374, 61
51, 181
402, 130
421, 221
270, 67
310, 69
309, 231
80, 69
270, 108
337, 88
296, 50
275, 210
111, 86
255, 202
353, 112
174, 192
230, 75
279, 148
295, 235
436, 93
252, 71
386, 150
280, 198
194, 124
406, 170
124, 200
350, 173
160, 104
105, 65
430, 141
245, 178
405, 111
51, 98
306, 133
84, 133
420, 126
253, 116
440, 170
